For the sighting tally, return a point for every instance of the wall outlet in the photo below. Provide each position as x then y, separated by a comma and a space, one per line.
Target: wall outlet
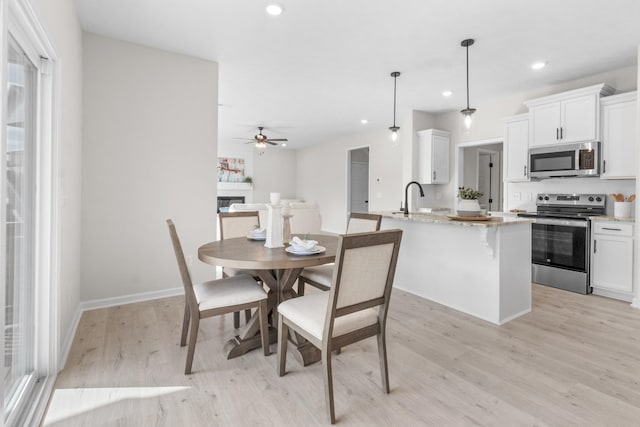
516, 196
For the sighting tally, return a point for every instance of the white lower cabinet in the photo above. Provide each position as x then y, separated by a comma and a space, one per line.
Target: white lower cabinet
612, 259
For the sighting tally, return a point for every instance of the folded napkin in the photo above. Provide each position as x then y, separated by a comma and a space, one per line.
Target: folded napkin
302, 245
259, 232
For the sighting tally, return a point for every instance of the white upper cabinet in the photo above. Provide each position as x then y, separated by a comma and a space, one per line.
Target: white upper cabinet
572, 116
516, 146
619, 119
433, 156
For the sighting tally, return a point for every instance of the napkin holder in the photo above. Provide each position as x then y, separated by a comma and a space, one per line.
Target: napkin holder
274, 227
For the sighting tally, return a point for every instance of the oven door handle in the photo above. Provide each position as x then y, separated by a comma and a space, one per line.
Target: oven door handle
566, 222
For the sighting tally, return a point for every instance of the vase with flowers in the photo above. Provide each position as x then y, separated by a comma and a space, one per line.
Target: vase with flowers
468, 204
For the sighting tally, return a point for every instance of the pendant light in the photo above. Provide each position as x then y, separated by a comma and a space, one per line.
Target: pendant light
467, 112
394, 129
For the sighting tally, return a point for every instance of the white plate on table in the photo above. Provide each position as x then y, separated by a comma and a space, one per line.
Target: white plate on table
315, 250
257, 236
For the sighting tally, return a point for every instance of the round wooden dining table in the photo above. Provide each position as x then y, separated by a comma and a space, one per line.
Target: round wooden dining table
278, 270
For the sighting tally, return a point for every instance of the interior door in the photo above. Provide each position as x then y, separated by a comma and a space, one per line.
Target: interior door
359, 187
489, 180
358, 180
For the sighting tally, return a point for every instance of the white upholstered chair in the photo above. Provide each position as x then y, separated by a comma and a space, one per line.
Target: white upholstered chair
238, 224
215, 297
320, 276
355, 307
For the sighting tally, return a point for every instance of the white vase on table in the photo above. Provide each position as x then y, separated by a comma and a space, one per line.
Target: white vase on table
274, 227
468, 207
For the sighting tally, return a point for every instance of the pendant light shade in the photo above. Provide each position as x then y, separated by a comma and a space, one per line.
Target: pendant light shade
467, 112
394, 129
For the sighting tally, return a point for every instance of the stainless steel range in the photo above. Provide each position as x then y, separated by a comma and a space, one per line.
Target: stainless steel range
560, 239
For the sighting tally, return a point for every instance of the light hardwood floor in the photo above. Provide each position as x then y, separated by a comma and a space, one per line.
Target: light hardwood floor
573, 361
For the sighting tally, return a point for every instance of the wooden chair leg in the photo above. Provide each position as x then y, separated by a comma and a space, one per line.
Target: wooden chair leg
328, 383
247, 315
264, 327
382, 354
185, 325
300, 286
193, 336
236, 319
283, 337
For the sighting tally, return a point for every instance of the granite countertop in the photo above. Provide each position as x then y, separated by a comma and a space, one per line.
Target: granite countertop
444, 219
613, 219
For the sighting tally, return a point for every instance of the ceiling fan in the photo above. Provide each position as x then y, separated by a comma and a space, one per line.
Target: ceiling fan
261, 140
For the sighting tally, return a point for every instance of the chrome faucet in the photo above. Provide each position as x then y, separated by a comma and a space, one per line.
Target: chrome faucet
406, 195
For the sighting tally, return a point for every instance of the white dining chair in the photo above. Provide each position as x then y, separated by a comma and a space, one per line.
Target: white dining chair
216, 297
355, 308
320, 276
238, 224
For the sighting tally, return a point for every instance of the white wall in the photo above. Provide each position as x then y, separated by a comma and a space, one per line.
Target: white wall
321, 176
274, 172
488, 124
61, 24
150, 133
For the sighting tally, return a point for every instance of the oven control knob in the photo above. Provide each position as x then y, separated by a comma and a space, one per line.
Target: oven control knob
539, 197
591, 199
598, 199
546, 197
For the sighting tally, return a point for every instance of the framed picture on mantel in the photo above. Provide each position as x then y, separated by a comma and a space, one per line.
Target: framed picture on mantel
231, 174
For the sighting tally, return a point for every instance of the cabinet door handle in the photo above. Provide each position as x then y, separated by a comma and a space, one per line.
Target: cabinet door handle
604, 166
595, 245
612, 229
561, 133
557, 133
525, 170
434, 175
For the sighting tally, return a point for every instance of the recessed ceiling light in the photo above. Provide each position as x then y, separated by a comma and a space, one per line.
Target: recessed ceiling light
275, 9
364, 121
538, 65
447, 93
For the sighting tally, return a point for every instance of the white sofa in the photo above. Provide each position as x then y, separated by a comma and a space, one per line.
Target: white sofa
306, 216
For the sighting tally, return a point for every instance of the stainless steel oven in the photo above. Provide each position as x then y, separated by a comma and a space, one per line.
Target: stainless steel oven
560, 239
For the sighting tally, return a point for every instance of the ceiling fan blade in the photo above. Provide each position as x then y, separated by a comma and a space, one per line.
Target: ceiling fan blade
244, 139
278, 139
268, 141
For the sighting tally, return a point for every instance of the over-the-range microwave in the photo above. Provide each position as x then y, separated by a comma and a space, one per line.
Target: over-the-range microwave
565, 160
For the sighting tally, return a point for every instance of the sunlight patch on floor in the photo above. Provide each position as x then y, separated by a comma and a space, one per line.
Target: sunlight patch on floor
69, 402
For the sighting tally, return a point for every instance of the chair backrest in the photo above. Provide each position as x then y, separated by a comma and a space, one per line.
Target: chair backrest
182, 265
363, 222
237, 224
363, 276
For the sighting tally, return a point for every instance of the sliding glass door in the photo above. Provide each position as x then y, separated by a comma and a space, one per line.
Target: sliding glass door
20, 225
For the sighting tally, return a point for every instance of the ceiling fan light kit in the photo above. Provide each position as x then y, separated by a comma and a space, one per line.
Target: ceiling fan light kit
394, 129
467, 112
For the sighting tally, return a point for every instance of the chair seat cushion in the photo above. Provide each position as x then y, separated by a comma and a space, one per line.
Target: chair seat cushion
227, 292
236, 271
321, 274
309, 313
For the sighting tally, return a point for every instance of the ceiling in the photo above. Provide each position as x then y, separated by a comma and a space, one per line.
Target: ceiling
314, 72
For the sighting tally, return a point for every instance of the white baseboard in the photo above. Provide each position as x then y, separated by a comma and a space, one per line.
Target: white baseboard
129, 299
636, 303
104, 303
68, 339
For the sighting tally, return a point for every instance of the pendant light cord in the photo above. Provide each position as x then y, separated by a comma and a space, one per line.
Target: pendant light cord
395, 79
467, 77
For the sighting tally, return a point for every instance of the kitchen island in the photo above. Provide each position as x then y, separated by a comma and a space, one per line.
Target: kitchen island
482, 268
